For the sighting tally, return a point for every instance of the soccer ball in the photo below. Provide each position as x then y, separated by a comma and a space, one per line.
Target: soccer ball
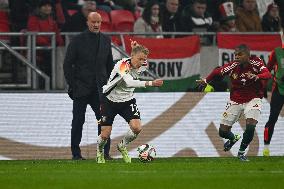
146, 152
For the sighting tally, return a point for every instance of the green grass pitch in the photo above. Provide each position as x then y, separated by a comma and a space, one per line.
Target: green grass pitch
162, 173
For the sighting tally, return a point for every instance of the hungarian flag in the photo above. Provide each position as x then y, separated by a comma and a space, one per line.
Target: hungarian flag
260, 45
175, 60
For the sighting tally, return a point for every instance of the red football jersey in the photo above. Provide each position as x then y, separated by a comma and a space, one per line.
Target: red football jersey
244, 89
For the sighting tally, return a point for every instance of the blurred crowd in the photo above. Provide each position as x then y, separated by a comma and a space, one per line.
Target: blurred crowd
149, 15
139, 16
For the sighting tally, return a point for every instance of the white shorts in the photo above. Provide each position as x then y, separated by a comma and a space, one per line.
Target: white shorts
233, 111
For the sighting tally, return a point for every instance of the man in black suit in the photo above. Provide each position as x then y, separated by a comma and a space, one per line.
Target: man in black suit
87, 66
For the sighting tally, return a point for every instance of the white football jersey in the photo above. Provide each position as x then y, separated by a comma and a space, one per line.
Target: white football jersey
123, 80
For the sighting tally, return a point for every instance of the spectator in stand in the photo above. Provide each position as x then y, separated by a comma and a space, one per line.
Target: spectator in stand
4, 27
59, 13
140, 6
42, 21
195, 18
262, 6
69, 5
4, 5
126, 4
228, 18
171, 18
107, 5
280, 4
248, 19
151, 20
271, 21
4, 19
20, 11
78, 21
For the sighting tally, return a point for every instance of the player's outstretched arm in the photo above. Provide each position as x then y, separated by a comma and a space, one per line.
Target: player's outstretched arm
155, 83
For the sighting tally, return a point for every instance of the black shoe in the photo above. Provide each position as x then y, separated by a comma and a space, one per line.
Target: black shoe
242, 157
78, 158
108, 157
229, 144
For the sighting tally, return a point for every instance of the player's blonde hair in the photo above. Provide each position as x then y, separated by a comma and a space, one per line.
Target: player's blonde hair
139, 48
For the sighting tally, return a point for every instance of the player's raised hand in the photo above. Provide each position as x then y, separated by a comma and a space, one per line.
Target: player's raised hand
158, 82
133, 43
201, 84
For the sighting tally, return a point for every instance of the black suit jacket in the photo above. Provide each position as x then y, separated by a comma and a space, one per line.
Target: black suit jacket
84, 71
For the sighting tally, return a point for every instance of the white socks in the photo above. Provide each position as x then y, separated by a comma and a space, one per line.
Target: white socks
100, 144
129, 137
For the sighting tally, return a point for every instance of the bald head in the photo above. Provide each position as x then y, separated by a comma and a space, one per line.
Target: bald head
94, 15
94, 21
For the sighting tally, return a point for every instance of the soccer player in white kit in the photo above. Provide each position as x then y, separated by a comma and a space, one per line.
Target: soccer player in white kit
119, 93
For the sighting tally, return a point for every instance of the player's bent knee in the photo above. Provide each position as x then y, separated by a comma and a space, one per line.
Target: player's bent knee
105, 135
251, 121
252, 116
135, 125
224, 130
222, 133
136, 129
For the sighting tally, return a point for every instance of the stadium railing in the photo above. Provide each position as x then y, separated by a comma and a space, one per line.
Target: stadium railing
30, 60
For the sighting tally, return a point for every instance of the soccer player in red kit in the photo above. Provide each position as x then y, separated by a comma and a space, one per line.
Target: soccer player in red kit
248, 77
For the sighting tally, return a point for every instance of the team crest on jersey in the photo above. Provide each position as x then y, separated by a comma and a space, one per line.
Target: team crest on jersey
225, 114
249, 74
234, 76
124, 68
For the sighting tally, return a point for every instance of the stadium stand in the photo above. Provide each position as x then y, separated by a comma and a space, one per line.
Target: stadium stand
4, 25
106, 22
71, 12
122, 20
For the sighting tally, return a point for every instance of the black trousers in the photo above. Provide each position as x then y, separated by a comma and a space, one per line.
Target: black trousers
79, 111
276, 104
